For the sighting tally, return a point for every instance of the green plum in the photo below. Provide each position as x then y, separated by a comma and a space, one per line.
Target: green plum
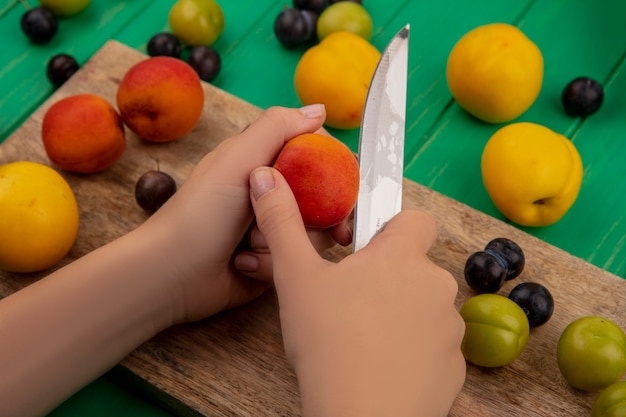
196, 22
345, 16
591, 353
65, 8
496, 330
611, 402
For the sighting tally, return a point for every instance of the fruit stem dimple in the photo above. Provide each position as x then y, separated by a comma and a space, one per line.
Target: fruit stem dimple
540, 202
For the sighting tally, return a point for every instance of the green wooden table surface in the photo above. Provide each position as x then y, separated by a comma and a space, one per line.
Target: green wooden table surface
444, 144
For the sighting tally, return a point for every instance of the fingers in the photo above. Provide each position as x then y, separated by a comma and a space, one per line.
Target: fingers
280, 222
320, 239
412, 229
412, 233
279, 124
256, 261
245, 289
260, 143
342, 233
255, 265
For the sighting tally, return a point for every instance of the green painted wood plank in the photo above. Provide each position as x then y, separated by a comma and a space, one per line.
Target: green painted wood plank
448, 157
443, 143
106, 397
601, 141
261, 71
24, 85
433, 34
7, 5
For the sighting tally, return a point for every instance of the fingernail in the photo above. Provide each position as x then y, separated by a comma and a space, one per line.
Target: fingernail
246, 262
312, 111
261, 181
257, 240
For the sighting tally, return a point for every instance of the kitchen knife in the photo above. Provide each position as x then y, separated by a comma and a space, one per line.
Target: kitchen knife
381, 143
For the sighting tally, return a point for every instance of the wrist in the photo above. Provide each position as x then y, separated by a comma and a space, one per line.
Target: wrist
150, 273
114, 298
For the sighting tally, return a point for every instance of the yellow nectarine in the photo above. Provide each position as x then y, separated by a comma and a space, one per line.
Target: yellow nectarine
337, 72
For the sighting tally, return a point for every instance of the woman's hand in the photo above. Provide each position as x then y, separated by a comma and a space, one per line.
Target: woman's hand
375, 334
71, 326
210, 218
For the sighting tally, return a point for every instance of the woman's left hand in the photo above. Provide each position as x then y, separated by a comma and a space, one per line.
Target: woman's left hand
210, 219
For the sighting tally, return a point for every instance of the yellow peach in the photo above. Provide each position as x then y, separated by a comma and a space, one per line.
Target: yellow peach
337, 72
495, 72
39, 217
532, 173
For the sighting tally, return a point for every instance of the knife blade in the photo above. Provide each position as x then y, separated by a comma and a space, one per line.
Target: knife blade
381, 142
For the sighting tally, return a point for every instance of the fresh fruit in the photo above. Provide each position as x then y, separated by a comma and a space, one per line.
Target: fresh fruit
337, 1
501, 260
484, 272
591, 353
83, 133
38, 217
531, 173
205, 61
337, 72
294, 27
536, 301
496, 330
65, 8
510, 253
60, 68
153, 189
316, 6
582, 97
345, 16
164, 44
196, 22
323, 174
39, 25
160, 98
611, 402
495, 72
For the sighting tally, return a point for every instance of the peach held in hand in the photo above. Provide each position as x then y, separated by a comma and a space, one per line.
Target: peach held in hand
323, 174
532, 174
83, 133
160, 99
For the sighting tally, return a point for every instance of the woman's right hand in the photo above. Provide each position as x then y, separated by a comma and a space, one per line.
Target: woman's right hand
375, 334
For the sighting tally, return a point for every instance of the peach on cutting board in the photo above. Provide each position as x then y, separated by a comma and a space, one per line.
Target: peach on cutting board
323, 174
83, 133
160, 99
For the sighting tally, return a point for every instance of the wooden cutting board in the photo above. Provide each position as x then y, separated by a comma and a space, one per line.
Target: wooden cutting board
233, 364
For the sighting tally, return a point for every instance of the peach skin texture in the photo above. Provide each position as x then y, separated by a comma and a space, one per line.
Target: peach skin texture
83, 133
160, 99
323, 174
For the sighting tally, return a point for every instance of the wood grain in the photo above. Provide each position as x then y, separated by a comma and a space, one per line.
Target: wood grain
233, 364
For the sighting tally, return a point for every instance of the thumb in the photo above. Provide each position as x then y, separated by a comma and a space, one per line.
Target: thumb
280, 222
